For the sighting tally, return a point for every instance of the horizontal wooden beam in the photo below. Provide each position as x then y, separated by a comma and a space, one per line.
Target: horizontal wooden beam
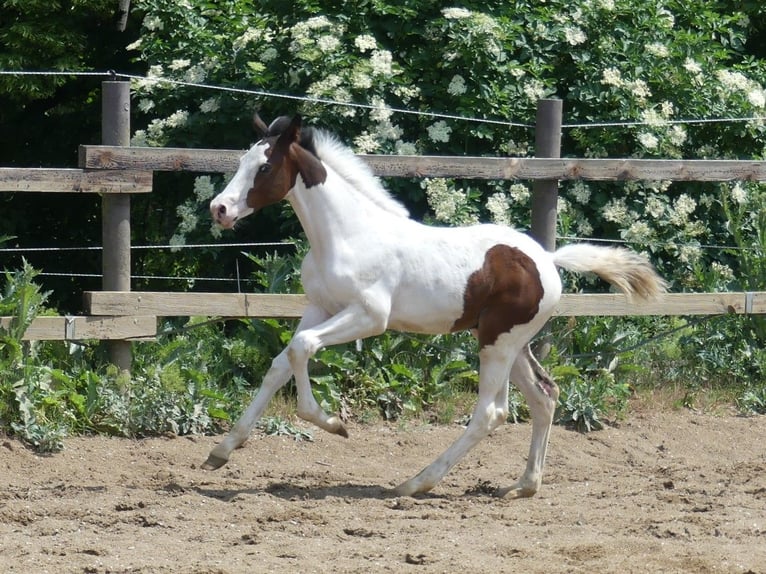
78, 328
74, 180
205, 160
615, 304
261, 305
270, 305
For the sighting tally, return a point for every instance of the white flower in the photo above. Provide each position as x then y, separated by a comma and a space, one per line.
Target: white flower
733, 80
139, 139
456, 13
584, 228
385, 130
657, 49
269, 55
616, 211
612, 77
328, 43
649, 141
654, 206
195, 75
381, 61
677, 135
439, 131
666, 108
692, 66
639, 88
739, 194
154, 71
210, 105
534, 90
497, 205
203, 188
683, 207
580, 192
380, 112
757, 98
689, 253
361, 79
456, 86
722, 270
153, 23
365, 42
667, 16
366, 143
145, 104
638, 232
405, 148
574, 35
519, 192
179, 64
134, 45
177, 119
652, 117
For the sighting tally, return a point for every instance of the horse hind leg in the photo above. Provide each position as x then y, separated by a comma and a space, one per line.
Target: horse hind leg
495, 363
541, 394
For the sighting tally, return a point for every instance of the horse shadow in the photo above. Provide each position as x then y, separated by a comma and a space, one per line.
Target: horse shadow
292, 492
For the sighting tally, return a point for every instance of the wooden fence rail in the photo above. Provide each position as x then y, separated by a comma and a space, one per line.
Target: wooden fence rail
205, 160
270, 305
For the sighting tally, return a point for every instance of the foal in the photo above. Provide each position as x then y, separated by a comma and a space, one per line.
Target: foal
371, 268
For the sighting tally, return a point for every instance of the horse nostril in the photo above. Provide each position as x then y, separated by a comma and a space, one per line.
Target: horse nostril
222, 210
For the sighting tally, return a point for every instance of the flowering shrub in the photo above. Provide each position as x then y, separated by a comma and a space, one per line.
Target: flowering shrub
646, 65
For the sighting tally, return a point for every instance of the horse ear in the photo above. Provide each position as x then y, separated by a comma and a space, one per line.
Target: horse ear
294, 129
259, 125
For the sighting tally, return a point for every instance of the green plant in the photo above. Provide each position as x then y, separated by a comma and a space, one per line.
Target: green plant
753, 401
280, 427
587, 398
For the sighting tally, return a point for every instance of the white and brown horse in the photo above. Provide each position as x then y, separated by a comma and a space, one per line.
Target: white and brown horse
371, 268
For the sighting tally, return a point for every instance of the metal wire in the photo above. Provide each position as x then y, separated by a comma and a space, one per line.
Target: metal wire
331, 102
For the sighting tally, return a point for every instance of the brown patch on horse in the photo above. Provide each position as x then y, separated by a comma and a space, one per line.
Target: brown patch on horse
286, 158
506, 291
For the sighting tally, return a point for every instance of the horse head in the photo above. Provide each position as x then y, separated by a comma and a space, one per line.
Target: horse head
269, 170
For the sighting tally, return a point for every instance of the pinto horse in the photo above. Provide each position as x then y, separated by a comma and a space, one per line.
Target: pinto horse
371, 268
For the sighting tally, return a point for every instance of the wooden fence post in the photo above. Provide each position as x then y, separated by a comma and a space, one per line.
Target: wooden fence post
545, 193
115, 208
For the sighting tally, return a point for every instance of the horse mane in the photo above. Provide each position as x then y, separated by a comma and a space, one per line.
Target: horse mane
328, 148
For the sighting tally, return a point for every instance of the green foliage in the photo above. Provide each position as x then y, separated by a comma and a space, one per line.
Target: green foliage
587, 398
753, 401
280, 427
647, 62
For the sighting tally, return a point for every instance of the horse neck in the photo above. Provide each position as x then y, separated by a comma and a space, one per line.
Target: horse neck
334, 212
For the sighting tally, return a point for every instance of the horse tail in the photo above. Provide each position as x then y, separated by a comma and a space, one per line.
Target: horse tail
630, 272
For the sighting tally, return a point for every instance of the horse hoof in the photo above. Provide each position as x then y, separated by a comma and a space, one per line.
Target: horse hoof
214, 462
341, 430
512, 492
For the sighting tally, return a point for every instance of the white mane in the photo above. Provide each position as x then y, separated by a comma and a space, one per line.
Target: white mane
355, 171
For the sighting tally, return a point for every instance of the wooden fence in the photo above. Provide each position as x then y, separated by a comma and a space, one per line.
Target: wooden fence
116, 313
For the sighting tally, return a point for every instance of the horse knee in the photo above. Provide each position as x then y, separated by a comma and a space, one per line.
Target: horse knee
301, 349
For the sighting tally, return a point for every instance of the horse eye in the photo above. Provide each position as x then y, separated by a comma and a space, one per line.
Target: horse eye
265, 168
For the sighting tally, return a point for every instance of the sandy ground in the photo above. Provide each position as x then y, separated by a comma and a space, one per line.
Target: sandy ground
663, 492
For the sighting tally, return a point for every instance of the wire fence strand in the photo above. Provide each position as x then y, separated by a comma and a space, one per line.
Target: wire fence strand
331, 102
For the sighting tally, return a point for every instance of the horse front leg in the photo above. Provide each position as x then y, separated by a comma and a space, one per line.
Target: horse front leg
541, 394
276, 377
354, 322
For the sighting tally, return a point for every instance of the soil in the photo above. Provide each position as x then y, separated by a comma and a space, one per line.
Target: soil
661, 492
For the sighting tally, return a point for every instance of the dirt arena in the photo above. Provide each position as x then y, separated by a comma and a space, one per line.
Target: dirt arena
668, 492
